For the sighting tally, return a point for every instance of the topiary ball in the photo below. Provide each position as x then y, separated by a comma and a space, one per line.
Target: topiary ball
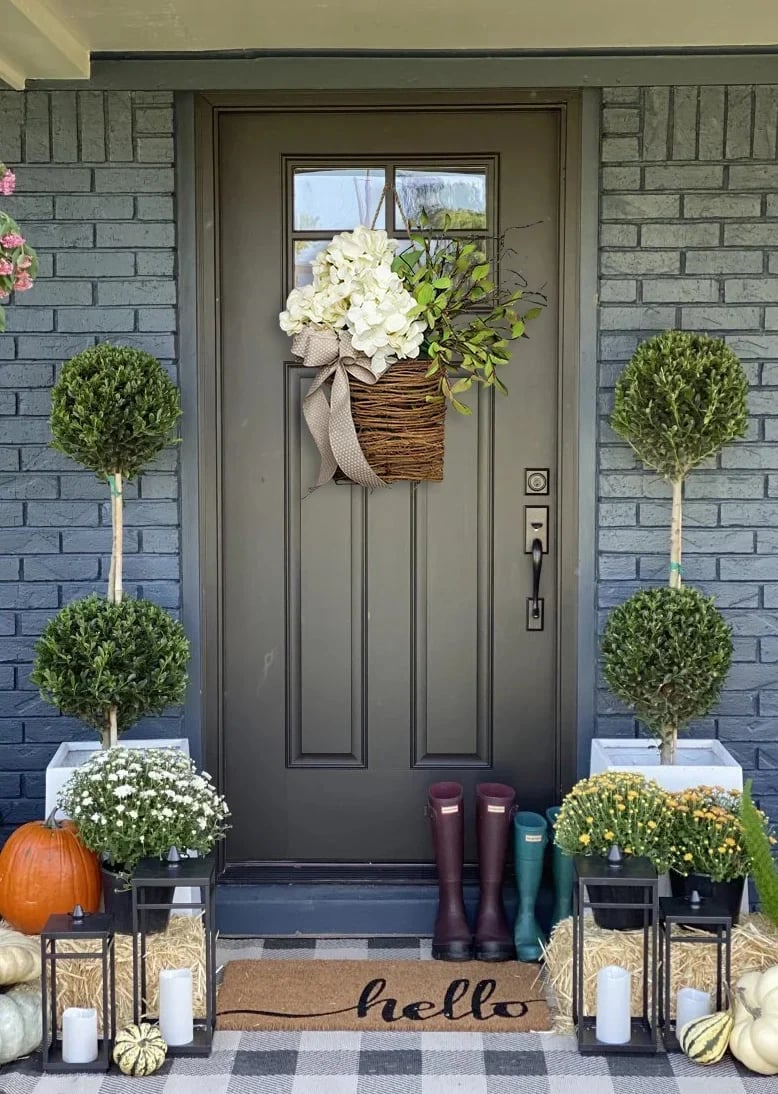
95, 654
679, 400
114, 408
667, 653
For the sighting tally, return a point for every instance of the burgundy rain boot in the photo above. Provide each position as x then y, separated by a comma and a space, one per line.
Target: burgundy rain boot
493, 817
453, 940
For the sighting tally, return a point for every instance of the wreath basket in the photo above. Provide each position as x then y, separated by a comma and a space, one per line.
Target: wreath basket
401, 434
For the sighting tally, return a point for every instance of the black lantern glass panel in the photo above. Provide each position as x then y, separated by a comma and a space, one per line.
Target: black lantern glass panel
194, 873
617, 884
713, 923
77, 927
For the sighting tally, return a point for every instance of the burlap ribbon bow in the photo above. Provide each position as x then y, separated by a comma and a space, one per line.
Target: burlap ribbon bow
331, 423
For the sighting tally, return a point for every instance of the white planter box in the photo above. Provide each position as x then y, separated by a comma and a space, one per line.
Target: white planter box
71, 754
698, 762
703, 762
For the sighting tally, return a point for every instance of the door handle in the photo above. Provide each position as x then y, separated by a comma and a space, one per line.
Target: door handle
537, 566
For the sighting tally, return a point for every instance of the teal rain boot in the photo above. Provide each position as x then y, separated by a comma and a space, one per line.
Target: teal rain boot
563, 875
529, 844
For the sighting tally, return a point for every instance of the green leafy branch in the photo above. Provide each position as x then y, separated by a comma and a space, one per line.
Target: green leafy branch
759, 848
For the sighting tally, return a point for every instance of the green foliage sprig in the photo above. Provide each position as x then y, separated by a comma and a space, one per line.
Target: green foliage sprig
759, 844
706, 833
679, 400
471, 322
129, 803
667, 653
114, 408
96, 654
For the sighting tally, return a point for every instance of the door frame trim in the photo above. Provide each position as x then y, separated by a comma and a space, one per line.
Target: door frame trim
200, 372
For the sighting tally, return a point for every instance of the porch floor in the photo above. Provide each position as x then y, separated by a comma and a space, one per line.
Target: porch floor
392, 1063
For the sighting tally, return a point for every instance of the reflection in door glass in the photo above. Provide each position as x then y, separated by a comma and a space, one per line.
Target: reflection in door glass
305, 250
460, 194
335, 199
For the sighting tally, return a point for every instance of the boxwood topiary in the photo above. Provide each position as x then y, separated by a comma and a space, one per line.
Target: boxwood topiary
667, 653
96, 658
114, 408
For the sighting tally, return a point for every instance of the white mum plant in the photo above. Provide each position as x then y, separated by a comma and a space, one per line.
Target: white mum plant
132, 803
354, 289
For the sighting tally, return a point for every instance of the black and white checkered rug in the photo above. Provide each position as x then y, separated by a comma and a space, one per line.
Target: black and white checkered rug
393, 1063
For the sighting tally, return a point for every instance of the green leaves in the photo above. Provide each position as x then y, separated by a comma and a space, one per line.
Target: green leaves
667, 653
759, 849
95, 654
114, 408
681, 398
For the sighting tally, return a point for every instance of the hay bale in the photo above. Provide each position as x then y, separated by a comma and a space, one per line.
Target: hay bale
754, 946
181, 946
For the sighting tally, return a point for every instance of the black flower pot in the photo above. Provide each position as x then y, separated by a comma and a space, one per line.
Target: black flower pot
728, 893
117, 899
618, 919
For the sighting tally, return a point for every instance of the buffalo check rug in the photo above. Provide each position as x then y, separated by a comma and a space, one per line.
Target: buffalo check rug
331, 1062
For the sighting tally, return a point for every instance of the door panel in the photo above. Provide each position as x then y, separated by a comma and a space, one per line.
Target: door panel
374, 642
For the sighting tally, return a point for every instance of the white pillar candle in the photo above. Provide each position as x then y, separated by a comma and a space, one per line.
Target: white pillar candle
79, 1035
614, 994
176, 1021
690, 1004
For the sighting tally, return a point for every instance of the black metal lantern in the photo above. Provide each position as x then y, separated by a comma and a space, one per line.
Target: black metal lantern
193, 873
77, 927
714, 928
613, 884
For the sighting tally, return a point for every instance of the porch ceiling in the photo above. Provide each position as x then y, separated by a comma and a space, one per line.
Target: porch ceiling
53, 39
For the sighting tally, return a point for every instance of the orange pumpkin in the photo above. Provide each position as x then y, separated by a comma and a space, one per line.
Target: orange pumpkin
46, 870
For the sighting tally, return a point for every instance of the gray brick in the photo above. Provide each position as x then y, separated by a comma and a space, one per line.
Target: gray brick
145, 568
11, 515
621, 94
704, 514
21, 596
619, 149
636, 318
156, 207
763, 402
91, 128
159, 120
637, 485
617, 514
158, 345
93, 207
167, 594
60, 234
154, 150
640, 206
22, 207
656, 107
752, 514
52, 347
64, 129
134, 180
754, 176
749, 346
765, 122
119, 133
9, 459
713, 484
746, 729
613, 567
25, 430
684, 123
61, 568
28, 541
618, 292
751, 456
770, 595
696, 541
29, 319
152, 98
140, 513
620, 178
37, 146
739, 107
159, 486
96, 264
28, 486
758, 568
680, 235
160, 541
55, 514
135, 234
155, 263
711, 123
669, 290
11, 126
637, 262
618, 235
767, 541
687, 177
56, 292
54, 180
157, 319
96, 319
724, 261
136, 291
714, 317
762, 234
711, 206
83, 541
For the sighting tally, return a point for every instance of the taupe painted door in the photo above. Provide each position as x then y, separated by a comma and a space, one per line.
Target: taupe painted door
373, 643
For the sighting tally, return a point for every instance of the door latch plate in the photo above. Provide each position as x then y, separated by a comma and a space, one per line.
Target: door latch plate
535, 527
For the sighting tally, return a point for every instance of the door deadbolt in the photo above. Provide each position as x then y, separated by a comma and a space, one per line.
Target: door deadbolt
535, 527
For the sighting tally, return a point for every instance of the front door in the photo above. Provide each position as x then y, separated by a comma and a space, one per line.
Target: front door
371, 643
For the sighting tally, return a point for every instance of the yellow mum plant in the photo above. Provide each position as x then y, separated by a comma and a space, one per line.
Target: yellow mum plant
706, 833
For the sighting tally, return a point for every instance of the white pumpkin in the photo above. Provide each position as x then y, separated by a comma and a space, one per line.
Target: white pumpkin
20, 957
21, 1025
754, 1039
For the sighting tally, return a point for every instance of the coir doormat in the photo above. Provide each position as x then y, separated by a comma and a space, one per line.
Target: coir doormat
504, 997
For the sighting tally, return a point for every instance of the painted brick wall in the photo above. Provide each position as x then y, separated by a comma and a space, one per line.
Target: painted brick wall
689, 239
95, 197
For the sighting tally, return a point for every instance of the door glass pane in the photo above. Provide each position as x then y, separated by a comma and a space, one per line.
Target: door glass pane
305, 250
336, 199
460, 194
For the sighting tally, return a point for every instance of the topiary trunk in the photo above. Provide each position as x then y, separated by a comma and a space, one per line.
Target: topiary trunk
667, 745
676, 535
115, 588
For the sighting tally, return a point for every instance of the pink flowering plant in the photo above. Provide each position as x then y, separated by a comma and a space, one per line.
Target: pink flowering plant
18, 261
